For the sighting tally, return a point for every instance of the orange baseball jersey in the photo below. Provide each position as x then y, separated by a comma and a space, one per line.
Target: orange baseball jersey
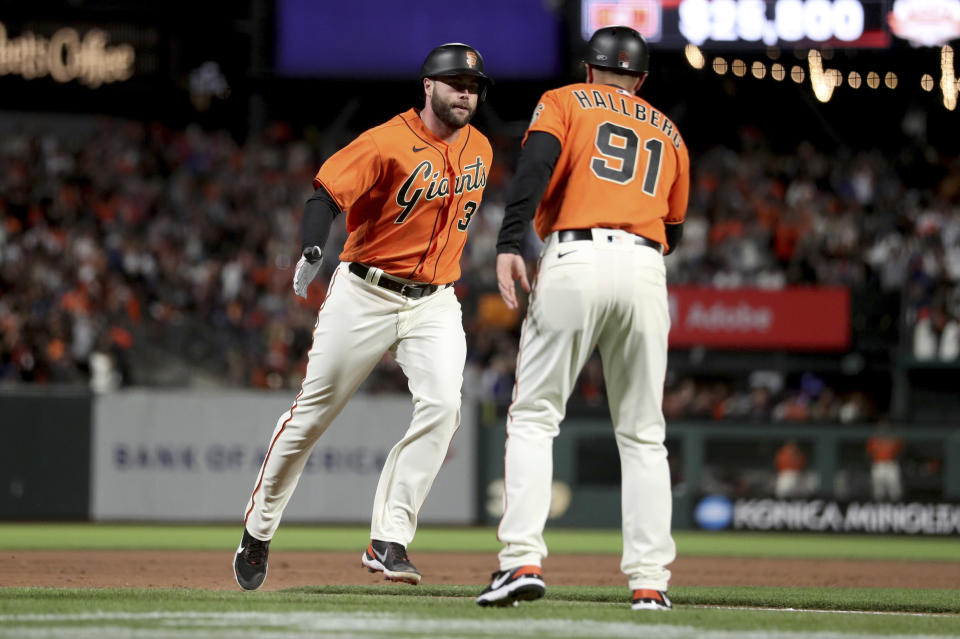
790, 458
884, 449
622, 163
408, 196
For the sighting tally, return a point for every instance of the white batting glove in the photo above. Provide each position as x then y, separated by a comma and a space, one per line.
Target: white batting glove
307, 269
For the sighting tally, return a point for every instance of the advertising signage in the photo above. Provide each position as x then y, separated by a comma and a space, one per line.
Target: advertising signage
716, 512
66, 55
801, 318
745, 24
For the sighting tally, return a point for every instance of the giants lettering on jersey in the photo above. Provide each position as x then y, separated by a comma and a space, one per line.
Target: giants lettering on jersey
424, 177
595, 100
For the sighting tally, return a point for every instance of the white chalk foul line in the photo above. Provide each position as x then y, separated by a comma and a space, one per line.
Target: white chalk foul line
361, 625
833, 612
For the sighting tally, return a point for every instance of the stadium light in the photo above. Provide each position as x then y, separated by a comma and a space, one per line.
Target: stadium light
823, 83
694, 56
948, 81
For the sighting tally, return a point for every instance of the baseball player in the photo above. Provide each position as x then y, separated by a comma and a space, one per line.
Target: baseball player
605, 177
409, 188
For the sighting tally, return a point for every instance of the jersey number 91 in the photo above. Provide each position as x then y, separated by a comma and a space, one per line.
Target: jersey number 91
619, 149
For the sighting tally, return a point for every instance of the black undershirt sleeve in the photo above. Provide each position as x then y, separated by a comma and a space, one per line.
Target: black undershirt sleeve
674, 234
534, 169
318, 214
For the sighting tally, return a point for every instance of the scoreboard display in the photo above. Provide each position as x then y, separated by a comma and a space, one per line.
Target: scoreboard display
744, 24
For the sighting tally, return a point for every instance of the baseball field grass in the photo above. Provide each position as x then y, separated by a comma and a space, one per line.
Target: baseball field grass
449, 610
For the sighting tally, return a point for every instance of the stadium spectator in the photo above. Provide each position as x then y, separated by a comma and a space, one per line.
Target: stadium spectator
936, 335
884, 449
790, 462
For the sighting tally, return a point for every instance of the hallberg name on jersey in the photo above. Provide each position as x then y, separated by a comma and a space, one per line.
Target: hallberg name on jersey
473, 178
595, 100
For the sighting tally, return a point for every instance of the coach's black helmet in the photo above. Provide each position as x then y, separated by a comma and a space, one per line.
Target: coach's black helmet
620, 48
455, 59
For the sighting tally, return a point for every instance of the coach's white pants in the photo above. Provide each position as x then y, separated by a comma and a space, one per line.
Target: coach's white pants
885, 479
609, 293
357, 323
787, 484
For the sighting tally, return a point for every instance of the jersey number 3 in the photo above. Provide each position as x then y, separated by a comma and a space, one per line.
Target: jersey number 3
619, 147
468, 210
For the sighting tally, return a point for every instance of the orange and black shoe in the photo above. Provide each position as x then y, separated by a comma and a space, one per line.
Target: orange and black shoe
391, 559
250, 562
650, 600
508, 587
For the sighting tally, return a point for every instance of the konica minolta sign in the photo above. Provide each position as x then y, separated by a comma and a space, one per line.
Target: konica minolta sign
715, 512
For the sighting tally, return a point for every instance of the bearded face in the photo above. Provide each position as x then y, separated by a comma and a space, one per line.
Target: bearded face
454, 100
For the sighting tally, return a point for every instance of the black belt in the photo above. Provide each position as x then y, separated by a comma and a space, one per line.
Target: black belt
415, 291
578, 235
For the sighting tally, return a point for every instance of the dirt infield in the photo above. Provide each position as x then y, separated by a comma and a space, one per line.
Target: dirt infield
212, 570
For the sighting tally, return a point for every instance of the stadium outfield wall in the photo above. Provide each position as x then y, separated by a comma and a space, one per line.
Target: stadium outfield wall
177, 456
193, 456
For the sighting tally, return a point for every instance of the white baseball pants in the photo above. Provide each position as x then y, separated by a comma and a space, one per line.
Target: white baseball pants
885, 480
787, 484
357, 323
611, 293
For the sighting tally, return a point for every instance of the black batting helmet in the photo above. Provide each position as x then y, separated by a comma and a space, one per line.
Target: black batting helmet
620, 48
455, 58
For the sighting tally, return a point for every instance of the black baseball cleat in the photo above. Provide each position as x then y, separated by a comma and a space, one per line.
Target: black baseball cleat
250, 562
650, 600
391, 559
508, 587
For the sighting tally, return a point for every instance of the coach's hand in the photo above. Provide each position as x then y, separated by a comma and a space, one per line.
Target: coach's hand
307, 269
511, 268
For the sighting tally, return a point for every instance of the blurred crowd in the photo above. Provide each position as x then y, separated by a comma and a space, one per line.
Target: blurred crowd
127, 246
765, 396
125, 230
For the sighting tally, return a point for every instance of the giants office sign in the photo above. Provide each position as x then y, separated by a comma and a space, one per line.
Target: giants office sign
792, 318
66, 55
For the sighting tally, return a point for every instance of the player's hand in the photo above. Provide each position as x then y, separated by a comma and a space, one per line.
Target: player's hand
511, 268
307, 269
